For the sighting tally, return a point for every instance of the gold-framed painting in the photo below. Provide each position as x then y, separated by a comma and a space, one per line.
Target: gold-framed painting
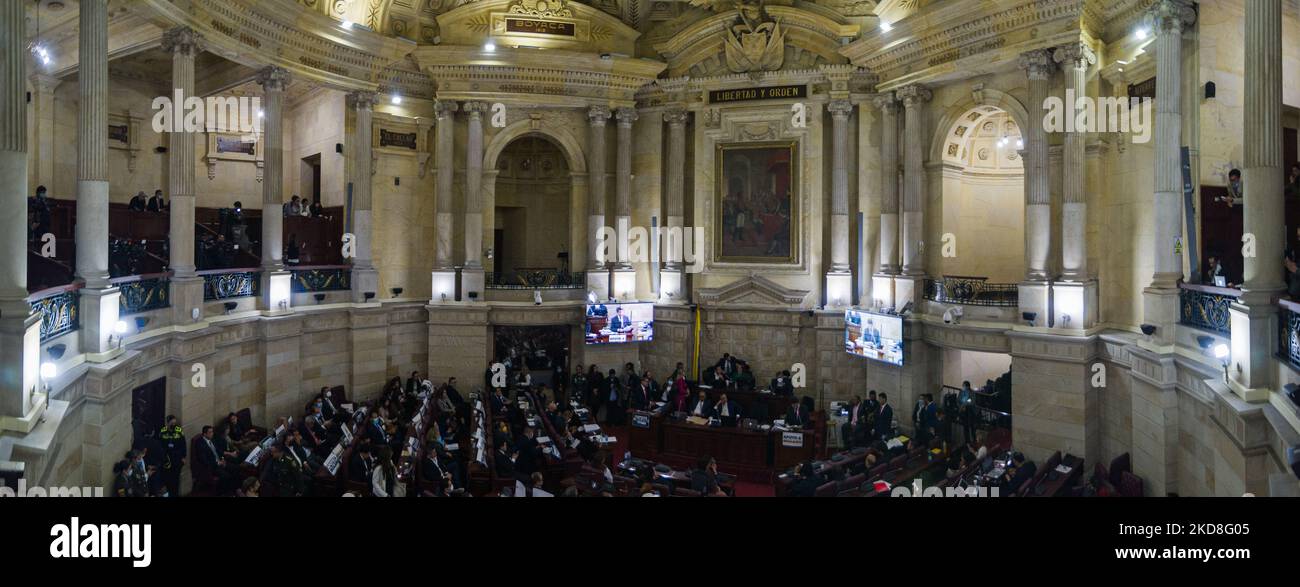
756, 219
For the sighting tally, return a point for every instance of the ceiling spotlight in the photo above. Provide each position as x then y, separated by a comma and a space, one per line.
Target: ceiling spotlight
396, 99
1142, 34
347, 24
489, 46
886, 27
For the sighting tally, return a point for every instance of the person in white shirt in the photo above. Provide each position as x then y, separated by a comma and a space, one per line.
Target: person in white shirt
533, 489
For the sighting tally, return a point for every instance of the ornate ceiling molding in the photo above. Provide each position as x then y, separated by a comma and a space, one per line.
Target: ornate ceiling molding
951, 38
309, 44
812, 38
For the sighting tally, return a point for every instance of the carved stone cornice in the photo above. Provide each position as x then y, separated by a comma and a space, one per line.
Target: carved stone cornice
753, 290
182, 40
698, 48
1037, 64
956, 36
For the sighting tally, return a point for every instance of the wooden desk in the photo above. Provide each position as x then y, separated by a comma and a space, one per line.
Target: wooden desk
746, 452
773, 404
645, 442
787, 456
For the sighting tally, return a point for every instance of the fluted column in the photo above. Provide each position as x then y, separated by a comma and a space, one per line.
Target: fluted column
19, 329
840, 111
671, 281
92, 145
446, 134
273, 81
888, 107
1038, 67
99, 299
364, 276
1171, 16
186, 288
914, 98
1075, 59
596, 118
623, 182
474, 185
1253, 316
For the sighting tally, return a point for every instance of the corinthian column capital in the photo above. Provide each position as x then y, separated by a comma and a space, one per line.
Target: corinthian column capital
1037, 64
1076, 55
183, 40
914, 95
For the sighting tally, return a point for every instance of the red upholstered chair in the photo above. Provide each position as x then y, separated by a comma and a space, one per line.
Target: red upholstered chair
897, 462
828, 489
853, 482
1130, 485
684, 492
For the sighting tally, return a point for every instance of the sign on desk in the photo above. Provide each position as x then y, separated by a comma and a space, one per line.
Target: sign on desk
792, 439
640, 420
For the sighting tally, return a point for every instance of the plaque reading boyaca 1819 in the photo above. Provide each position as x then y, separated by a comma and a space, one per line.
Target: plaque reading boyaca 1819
396, 139
746, 94
540, 27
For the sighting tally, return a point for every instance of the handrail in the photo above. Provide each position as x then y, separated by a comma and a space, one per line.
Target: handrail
230, 270
54, 291
1211, 289
140, 277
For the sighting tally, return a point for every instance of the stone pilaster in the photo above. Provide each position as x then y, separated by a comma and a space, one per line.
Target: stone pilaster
1253, 317
1075, 59
1038, 197
472, 276
19, 327
98, 298
42, 153
186, 288
882, 283
275, 280
914, 98
444, 274
365, 278
623, 182
672, 280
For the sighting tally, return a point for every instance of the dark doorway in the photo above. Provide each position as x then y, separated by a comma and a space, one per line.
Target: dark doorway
498, 252
310, 179
148, 407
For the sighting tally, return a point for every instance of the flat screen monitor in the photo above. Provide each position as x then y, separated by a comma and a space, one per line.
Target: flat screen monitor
874, 336
614, 323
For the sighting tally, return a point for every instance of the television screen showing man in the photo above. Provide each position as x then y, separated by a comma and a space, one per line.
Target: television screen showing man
633, 322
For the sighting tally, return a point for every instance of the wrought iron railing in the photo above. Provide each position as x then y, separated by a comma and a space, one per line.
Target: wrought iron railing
322, 278
58, 310
238, 283
972, 291
1288, 330
1206, 307
143, 293
537, 279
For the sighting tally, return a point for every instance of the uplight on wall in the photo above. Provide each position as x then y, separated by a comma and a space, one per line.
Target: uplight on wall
396, 99
489, 47
280, 292
886, 27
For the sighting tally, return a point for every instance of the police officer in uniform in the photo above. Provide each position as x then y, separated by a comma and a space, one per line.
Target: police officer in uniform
173, 441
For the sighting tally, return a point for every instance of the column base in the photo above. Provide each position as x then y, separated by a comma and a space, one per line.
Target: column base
20, 359
670, 286
276, 292
472, 284
1160, 309
1074, 305
882, 291
1250, 364
909, 289
1036, 299
186, 297
624, 281
598, 283
444, 286
27, 422
99, 316
839, 290
364, 280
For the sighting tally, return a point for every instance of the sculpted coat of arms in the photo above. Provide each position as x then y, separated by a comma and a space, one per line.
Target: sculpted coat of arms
754, 40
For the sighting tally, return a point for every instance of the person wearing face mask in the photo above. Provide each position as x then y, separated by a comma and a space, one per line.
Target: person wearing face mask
137, 475
173, 441
122, 479
376, 430
327, 407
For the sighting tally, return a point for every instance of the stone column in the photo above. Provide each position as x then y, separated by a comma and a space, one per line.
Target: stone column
882, 283
365, 278
444, 273
1038, 196
1253, 316
19, 326
1074, 296
598, 263
42, 152
472, 277
839, 278
624, 275
186, 288
275, 280
1160, 298
914, 98
99, 299
671, 278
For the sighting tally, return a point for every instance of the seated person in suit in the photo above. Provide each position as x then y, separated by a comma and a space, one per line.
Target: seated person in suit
700, 406
743, 379
796, 416
529, 459
598, 310
806, 481
704, 478
726, 408
620, 322
783, 385
504, 462
533, 488
1020, 472
435, 471
282, 475
716, 378
362, 467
